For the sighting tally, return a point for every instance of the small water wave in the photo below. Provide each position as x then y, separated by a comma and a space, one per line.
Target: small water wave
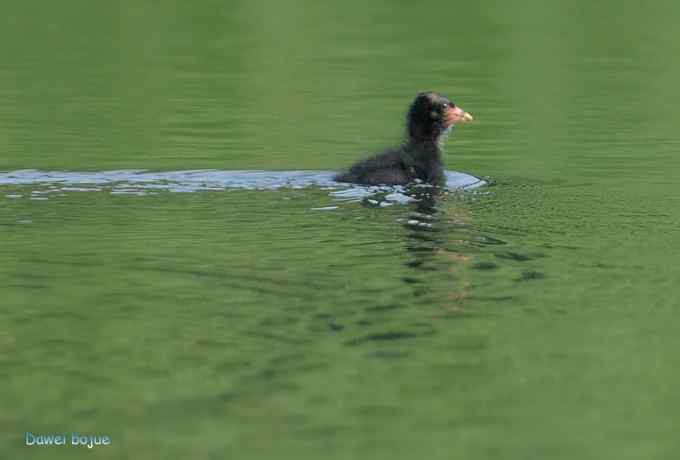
143, 182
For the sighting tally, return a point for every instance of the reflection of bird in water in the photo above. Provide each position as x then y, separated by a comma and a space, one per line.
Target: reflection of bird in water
435, 260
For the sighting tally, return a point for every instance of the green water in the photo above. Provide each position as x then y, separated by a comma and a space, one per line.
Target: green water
535, 319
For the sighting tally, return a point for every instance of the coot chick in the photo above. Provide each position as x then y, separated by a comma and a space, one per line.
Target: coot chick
429, 119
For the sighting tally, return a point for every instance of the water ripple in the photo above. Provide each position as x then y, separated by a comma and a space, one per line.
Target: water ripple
142, 182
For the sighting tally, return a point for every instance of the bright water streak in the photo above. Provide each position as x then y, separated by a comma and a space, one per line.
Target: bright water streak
139, 182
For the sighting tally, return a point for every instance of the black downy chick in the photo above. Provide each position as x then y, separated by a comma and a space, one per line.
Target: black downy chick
430, 118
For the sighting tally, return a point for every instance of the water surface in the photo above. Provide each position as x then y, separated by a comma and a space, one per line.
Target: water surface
535, 318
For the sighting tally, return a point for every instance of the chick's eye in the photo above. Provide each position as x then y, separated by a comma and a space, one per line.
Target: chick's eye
445, 106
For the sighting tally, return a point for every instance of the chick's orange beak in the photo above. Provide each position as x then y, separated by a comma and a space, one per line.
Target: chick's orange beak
455, 114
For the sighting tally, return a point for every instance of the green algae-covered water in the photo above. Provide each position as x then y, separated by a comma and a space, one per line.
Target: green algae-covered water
535, 318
